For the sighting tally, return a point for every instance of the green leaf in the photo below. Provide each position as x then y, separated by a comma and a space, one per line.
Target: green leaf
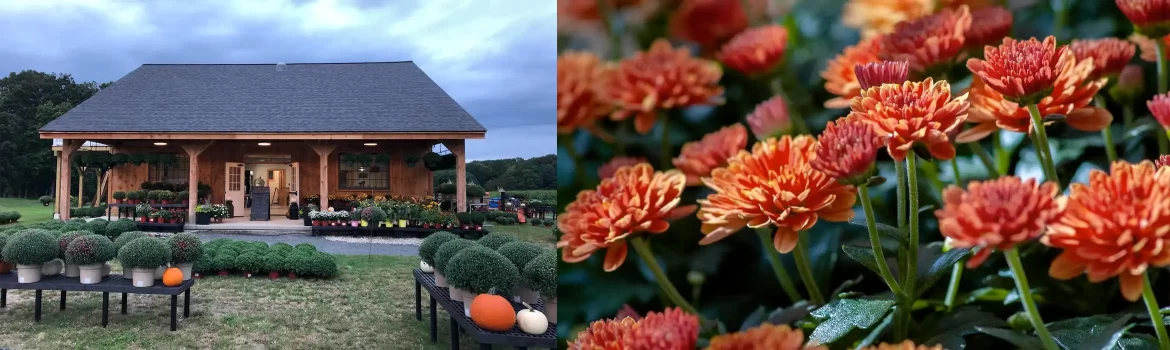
1109, 336
791, 314
939, 268
1140, 128
863, 255
1018, 339
988, 294
843, 315
1137, 342
884, 231
1093, 332
950, 329
753, 320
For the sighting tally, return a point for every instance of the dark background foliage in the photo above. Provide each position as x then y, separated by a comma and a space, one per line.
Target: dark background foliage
731, 280
538, 173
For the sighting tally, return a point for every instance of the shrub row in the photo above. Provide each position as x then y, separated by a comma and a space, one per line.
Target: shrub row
258, 257
92, 212
8, 217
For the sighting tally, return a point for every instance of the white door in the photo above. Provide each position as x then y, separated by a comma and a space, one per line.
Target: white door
234, 173
294, 183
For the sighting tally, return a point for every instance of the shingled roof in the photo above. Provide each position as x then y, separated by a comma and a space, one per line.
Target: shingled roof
267, 98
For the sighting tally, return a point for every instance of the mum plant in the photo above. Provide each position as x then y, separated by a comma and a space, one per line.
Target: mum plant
145, 253
480, 270
448, 250
30, 247
185, 248
430, 245
90, 249
496, 240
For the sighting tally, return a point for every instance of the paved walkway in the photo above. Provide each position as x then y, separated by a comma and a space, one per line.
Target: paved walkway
331, 247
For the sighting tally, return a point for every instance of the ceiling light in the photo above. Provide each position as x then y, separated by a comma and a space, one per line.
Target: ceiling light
264, 144
160, 143
371, 144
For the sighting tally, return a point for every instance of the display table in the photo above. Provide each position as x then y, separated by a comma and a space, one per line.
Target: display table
110, 284
514, 337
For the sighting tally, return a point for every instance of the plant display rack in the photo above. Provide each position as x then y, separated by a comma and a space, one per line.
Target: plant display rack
514, 337
109, 284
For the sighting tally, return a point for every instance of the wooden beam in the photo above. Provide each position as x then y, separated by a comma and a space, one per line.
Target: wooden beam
262, 136
323, 149
193, 149
101, 187
457, 148
65, 171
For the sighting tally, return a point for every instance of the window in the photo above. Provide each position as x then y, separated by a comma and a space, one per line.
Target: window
357, 176
176, 173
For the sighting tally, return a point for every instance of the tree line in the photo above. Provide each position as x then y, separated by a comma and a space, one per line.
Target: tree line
512, 174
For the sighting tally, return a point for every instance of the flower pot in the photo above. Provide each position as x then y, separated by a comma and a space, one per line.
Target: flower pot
547, 224
174, 221
479, 227
248, 274
316, 222
365, 223
198, 275
91, 274
222, 273
401, 223
521, 293
71, 270
142, 219
166, 201
550, 310
292, 275
464, 227
455, 293
185, 268
142, 277
275, 275
354, 223
106, 269
440, 280
468, 296
5, 268
153, 201
202, 219
159, 271
28, 273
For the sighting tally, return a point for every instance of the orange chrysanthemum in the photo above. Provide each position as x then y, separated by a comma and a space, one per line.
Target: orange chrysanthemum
914, 112
1023, 71
636, 199
1109, 55
756, 51
846, 151
906, 345
766, 336
579, 103
710, 23
931, 43
615, 163
876, 17
1070, 96
699, 158
770, 118
586, 10
839, 76
997, 214
658, 79
988, 26
1151, 17
773, 185
1160, 108
671, 329
1162, 161
1116, 225
878, 73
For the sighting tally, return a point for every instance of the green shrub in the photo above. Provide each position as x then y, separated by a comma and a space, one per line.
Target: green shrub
273, 261
535, 221
448, 250
52, 225
308, 248
216, 243
78, 220
127, 237
30, 247
3, 241
249, 262
65, 238
224, 262
496, 240
203, 265
74, 225
45, 200
322, 265
282, 247
90, 249
447, 188
430, 245
520, 253
541, 274
480, 270
97, 226
145, 253
117, 228
185, 248
298, 262
227, 249
119, 195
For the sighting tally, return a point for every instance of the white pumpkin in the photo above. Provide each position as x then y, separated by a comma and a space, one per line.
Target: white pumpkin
53, 267
531, 321
425, 267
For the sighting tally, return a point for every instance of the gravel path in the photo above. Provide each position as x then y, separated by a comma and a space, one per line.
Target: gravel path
328, 246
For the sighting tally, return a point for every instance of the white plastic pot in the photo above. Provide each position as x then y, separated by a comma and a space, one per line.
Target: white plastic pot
90, 274
185, 268
159, 271
440, 280
71, 270
550, 310
28, 273
455, 293
142, 277
468, 296
52, 268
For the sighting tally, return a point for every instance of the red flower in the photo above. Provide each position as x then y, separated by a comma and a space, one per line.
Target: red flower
1160, 108
839, 76
997, 214
988, 26
579, 102
905, 345
766, 336
1109, 55
770, 118
878, 73
1023, 71
710, 23
846, 151
615, 163
1162, 161
877, 17
931, 43
914, 112
699, 158
756, 51
658, 79
1150, 17
671, 329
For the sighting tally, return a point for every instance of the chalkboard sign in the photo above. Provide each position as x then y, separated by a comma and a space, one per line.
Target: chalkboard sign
260, 203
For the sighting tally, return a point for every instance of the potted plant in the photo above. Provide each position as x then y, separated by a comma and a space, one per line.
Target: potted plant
341, 217
478, 219
443, 256
71, 270
186, 249
46, 200
30, 250
231, 209
273, 263
520, 254
366, 215
535, 221
144, 256
164, 216
480, 270
541, 275
378, 216
133, 197
90, 253
464, 220
431, 244
152, 196
306, 213
224, 261
184, 197
166, 197
249, 262
203, 214
296, 263
549, 222
120, 196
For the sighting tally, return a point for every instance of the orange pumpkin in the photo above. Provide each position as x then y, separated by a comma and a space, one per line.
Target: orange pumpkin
172, 277
493, 313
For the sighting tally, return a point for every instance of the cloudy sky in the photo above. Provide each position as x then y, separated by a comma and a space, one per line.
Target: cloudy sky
496, 58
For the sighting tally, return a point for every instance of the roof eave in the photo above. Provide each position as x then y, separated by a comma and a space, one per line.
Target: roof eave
363, 135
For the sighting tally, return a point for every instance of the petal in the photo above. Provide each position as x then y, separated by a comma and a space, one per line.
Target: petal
680, 212
1089, 119
714, 232
1131, 286
643, 122
785, 240
981, 255
615, 256
942, 150
976, 133
1065, 266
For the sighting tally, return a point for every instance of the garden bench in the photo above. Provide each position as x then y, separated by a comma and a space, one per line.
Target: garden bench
485, 338
110, 284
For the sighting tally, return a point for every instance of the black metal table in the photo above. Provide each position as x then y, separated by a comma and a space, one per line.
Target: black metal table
514, 337
159, 226
110, 284
392, 231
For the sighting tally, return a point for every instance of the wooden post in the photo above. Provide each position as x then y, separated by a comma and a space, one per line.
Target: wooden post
323, 149
457, 148
57, 182
67, 148
193, 151
80, 186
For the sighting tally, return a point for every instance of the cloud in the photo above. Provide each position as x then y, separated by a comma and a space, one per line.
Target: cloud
496, 58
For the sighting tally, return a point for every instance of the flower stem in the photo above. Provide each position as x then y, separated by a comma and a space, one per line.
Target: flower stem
1155, 314
1162, 146
615, 40
955, 169
1041, 144
805, 267
1013, 259
953, 287
875, 241
643, 250
1061, 19
1161, 53
666, 149
774, 258
1003, 159
936, 184
912, 215
1107, 133
1127, 115
900, 169
985, 158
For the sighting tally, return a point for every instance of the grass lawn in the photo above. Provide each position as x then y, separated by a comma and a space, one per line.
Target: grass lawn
542, 236
31, 211
371, 305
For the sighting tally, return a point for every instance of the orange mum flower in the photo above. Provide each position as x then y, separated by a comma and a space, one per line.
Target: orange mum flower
1114, 226
576, 15
1162, 161
670, 329
846, 151
906, 345
914, 112
773, 184
878, 73
662, 78
698, 158
1109, 55
1160, 108
615, 163
931, 43
988, 26
876, 17
1023, 71
1147, 46
1150, 17
756, 51
636, 199
579, 103
766, 336
997, 214
770, 118
710, 23
839, 76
